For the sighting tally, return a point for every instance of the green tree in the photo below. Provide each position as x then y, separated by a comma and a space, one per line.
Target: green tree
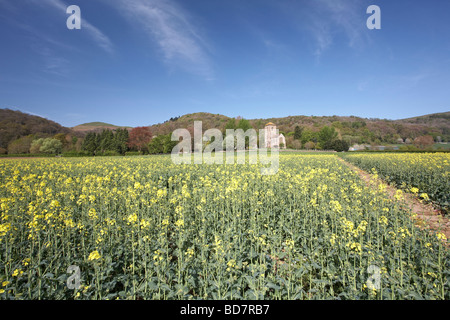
36, 146
231, 124
21, 145
336, 145
161, 144
326, 135
91, 143
74, 140
50, 145
298, 133
62, 137
310, 145
244, 125
156, 146
120, 141
107, 141
169, 144
296, 144
308, 135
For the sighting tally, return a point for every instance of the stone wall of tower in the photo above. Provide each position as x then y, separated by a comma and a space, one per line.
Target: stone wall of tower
282, 140
270, 135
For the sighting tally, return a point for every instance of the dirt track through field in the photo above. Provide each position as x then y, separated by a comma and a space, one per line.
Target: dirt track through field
426, 215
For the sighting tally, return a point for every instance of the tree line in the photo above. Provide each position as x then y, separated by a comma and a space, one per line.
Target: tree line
106, 142
325, 139
140, 140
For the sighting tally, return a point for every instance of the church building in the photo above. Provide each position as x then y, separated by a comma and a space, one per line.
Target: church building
272, 139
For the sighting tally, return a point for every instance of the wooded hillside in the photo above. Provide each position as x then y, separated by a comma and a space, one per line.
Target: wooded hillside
19, 130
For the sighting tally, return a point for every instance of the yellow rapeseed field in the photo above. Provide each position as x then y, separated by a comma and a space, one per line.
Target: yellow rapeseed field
425, 174
145, 228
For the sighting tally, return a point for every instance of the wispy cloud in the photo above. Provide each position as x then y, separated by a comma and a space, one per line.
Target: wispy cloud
171, 27
99, 37
362, 85
324, 20
53, 63
346, 15
395, 82
43, 44
412, 80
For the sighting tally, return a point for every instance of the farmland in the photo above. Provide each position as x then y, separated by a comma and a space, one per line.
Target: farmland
425, 174
145, 228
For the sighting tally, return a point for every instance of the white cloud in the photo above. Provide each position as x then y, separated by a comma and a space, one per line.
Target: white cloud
52, 63
410, 81
324, 20
346, 15
171, 28
99, 37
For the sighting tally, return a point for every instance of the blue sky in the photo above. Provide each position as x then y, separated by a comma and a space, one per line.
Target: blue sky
141, 62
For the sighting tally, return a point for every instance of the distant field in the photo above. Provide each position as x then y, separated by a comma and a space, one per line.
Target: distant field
444, 146
96, 126
427, 174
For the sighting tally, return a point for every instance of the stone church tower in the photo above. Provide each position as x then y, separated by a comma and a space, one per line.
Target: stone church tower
271, 138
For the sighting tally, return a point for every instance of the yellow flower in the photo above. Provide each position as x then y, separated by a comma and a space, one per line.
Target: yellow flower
93, 213
441, 236
179, 223
354, 246
5, 283
403, 232
398, 194
231, 264
289, 243
383, 220
158, 256
94, 255
333, 239
161, 193
55, 204
17, 273
144, 223
414, 190
4, 228
424, 196
190, 252
336, 206
132, 218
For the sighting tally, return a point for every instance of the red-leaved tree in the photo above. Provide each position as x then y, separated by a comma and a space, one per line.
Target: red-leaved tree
424, 141
139, 138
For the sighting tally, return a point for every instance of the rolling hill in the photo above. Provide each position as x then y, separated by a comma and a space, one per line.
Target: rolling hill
350, 128
16, 124
95, 126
